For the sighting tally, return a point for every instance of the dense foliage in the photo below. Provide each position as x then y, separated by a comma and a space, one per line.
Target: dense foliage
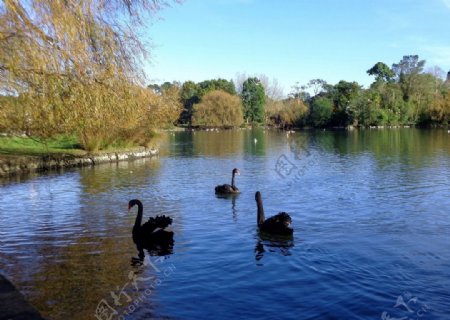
253, 99
401, 95
74, 67
218, 109
192, 93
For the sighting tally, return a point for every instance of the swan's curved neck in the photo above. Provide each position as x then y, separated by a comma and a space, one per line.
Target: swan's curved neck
138, 221
232, 180
260, 217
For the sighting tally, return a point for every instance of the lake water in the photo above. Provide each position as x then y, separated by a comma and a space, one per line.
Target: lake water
370, 209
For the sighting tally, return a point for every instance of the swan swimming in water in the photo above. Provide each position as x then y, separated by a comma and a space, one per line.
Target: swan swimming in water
227, 188
151, 235
278, 224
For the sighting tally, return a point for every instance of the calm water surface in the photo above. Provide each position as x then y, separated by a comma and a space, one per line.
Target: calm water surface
371, 212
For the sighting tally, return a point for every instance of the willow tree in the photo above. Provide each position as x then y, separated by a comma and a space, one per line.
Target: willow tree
73, 67
218, 109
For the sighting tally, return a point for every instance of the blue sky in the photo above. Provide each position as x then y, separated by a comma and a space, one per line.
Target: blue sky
295, 40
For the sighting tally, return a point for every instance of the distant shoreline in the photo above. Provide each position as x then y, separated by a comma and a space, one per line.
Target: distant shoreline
308, 128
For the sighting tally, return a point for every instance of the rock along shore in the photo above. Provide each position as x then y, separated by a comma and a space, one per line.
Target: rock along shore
18, 165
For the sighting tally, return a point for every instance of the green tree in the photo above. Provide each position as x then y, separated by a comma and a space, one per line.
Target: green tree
218, 109
408, 65
392, 102
344, 97
381, 72
317, 86
321, 111
299, 92
166, 86
371, 112
216, 84
407, 71
189, 95
253, 100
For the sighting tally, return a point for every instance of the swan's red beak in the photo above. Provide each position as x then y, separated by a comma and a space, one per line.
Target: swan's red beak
129, 207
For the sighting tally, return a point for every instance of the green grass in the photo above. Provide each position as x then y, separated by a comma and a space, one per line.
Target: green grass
24, 146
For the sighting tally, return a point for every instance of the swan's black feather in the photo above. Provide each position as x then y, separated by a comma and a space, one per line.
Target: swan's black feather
278, 224
156, 222
226, 188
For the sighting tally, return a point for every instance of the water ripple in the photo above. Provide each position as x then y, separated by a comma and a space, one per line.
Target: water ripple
370, 224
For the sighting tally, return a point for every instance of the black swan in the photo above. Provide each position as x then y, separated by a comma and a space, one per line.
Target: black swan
226, 188
151, 235
278, 224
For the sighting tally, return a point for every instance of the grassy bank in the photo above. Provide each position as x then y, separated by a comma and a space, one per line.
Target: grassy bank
63, 145
25, 146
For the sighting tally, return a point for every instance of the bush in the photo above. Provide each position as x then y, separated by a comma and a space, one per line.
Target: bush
292, 112
218, 109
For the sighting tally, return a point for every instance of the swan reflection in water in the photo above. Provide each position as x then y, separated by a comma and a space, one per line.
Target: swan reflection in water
156, 250
151, 235
276, 244
233, 197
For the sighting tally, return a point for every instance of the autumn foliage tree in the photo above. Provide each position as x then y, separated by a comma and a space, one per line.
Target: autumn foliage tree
73, 67
218, 109
292, 112
440, 108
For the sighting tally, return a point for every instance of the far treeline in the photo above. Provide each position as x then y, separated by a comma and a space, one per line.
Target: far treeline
403, 94
74, 69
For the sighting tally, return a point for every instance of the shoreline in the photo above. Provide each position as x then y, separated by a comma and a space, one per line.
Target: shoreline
21, 165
